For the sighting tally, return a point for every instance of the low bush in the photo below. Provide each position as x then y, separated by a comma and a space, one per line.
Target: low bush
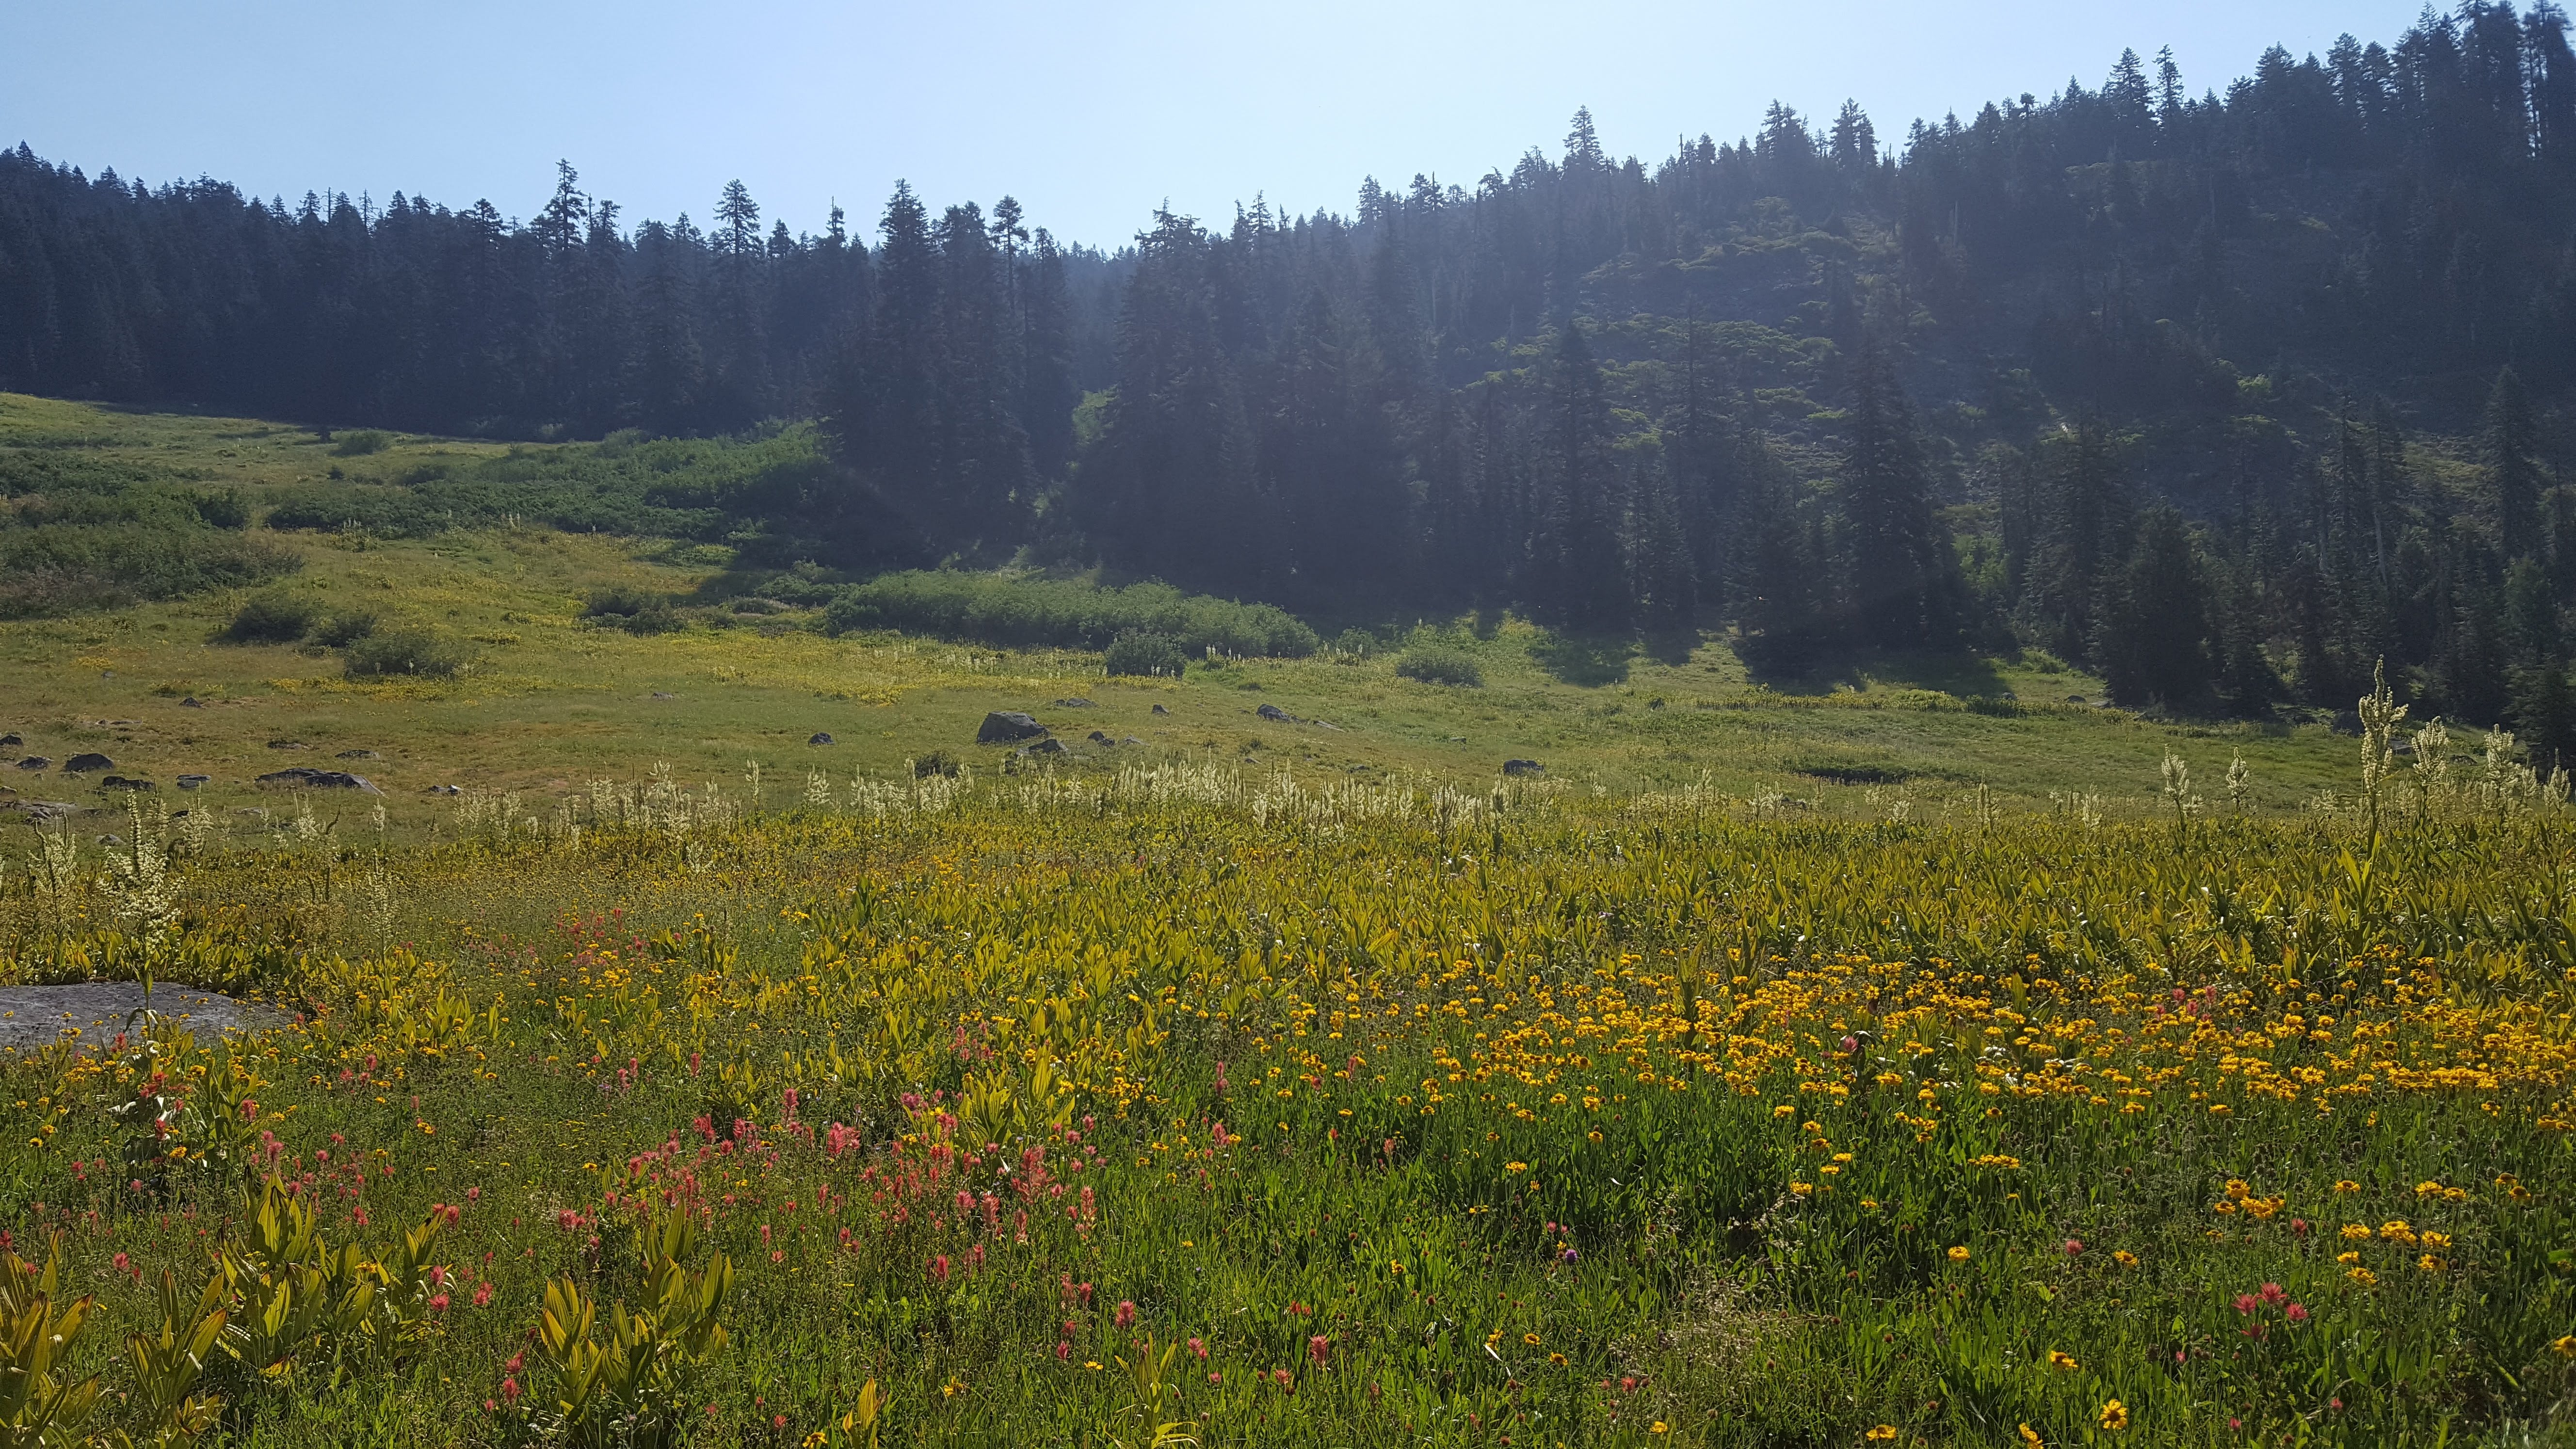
1019, 613
342, 630
633, 610
1147, 654
617, 601
362, 442
404, 651
1436, 664
224, 510
269, 619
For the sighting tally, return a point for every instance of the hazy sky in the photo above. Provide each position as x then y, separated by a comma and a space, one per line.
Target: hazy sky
1089, 113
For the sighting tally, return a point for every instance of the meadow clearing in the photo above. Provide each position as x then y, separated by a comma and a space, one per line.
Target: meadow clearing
1890, 1063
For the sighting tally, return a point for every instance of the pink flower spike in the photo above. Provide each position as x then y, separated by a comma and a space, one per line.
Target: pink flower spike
2295, 1313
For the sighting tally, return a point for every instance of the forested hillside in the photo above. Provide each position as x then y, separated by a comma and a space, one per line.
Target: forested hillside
2228, 396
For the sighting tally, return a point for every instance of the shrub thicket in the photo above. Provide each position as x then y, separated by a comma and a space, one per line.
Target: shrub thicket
1439, 664
406, 650
692, 488
1065, 613
1153, 654
342, 630
269, 619
633, 610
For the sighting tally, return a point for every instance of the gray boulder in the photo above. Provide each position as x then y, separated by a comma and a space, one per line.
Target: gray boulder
1523, 767
35, 762
86, 763
1045, 747
288, 745
819, 737
43, 809
1100, 737
11, 739
359, 755
121, 782
304, 777
1158, 709
1276, 714
1077, 702
1007, 726
192, 782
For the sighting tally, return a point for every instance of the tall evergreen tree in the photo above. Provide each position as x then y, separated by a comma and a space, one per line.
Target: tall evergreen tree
1899, 564
1583, 572
2151, 633
2513, 477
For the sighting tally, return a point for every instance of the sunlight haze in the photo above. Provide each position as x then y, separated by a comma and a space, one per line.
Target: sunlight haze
1090, 115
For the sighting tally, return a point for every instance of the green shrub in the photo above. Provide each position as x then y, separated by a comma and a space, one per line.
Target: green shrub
1150, 654
1020, 613
654, 618
402, 651
633, 610
342, 630
617, 601
362, 442
1355, 643
1436, 664
269, 619
57, 568
224, 510
937, 762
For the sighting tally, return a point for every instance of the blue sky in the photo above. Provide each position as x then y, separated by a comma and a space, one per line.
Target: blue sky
1089, 113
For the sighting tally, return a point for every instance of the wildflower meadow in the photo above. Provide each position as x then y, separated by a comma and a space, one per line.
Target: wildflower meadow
1191, 1105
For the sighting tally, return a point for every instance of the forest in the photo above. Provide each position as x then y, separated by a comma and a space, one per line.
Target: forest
2227, 396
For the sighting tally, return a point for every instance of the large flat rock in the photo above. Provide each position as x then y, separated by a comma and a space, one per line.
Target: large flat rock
91, 1013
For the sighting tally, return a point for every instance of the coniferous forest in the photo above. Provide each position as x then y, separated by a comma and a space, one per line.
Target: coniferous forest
2227, 395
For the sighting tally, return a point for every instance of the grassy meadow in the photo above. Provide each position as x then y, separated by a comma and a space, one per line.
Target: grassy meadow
550, 699
1912, 1056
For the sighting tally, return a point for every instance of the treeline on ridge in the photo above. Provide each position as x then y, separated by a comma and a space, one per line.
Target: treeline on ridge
2226, 396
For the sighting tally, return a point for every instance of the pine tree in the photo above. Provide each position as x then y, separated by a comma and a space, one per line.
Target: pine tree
1898, 565
1047, 375
1667, 578
1779, 611
2513, 478
1584, 573
2151, 633
2543, 712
